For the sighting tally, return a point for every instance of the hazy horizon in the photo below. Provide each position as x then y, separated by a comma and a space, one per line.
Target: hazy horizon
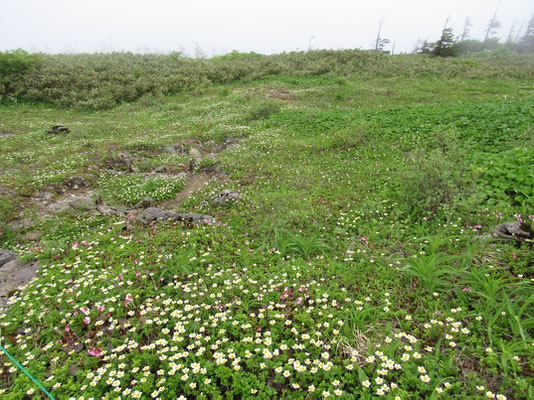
62, 26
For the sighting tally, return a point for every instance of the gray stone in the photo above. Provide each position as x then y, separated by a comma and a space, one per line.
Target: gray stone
195, 154
226, 197
211, 156
161, 170
6, 256
157, 214
105, 210
82, 204
14, 274
145, 203
169, 150
44, 195
516, 230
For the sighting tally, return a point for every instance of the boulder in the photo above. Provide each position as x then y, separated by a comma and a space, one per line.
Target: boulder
14, 274
145, 203
161, 170
6, 256
195, 154
157, 214
82, 203
226, 197
516, 230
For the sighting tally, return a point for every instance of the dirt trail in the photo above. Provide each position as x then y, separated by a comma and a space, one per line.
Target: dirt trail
193, 184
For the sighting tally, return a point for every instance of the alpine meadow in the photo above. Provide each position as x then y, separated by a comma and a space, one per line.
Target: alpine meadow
328, 223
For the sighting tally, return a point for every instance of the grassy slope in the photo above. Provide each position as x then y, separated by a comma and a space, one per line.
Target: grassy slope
314, 269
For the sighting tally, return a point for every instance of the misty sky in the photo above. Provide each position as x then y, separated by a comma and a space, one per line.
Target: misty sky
217, 27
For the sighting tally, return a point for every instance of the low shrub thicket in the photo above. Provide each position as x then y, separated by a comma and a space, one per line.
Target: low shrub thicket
99, 81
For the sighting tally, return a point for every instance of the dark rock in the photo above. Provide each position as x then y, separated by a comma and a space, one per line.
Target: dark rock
226, 197
193, 164
517, 230
99, 200
145, 203
158, 214
59, 129
118, 162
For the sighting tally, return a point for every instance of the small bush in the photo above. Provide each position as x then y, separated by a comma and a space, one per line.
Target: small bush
13, 65
430, 182
264, 109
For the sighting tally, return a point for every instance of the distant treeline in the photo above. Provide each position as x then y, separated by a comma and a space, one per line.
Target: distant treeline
99, 81
450, 45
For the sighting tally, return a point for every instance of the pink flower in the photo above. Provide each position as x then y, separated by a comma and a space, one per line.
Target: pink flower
466, 289
67, 328
100, 308
364, 239
87, 320
93, 351
514, 255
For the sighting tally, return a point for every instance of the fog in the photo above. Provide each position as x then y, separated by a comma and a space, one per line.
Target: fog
218, 27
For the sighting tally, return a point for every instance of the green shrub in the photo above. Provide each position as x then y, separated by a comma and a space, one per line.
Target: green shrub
99, 81
264, 109
430, 182
13, 65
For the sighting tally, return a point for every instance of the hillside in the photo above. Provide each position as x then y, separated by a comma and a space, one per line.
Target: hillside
355, 262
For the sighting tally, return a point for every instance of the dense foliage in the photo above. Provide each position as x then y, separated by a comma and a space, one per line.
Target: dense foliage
99, 81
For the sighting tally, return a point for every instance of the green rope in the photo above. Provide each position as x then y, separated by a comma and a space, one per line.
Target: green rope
27, 373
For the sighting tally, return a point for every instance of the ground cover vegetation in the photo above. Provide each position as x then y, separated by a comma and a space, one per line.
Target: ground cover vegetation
351, 267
